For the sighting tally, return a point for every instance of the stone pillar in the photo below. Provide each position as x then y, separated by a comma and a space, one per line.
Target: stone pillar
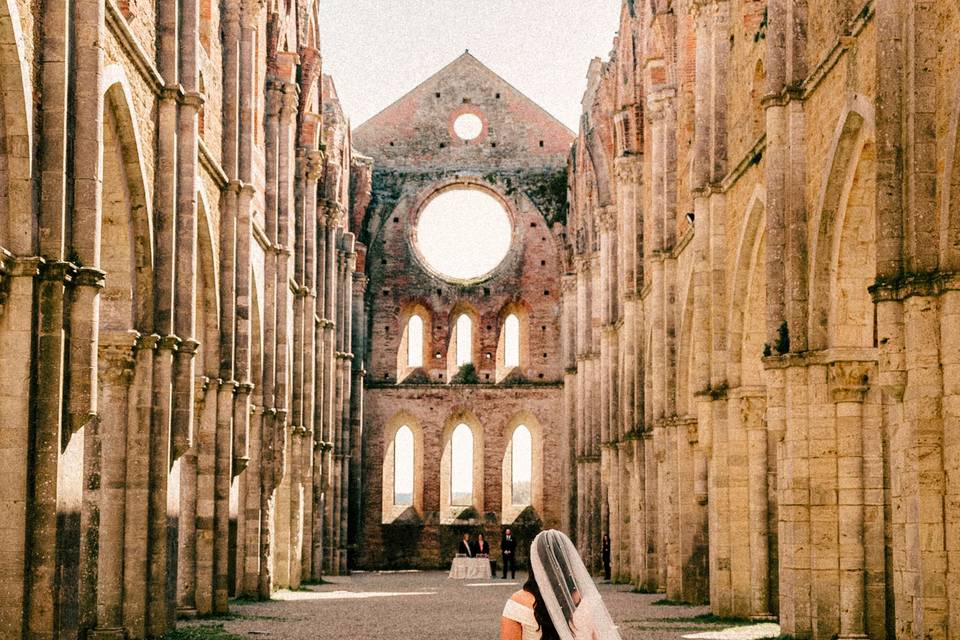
848, 386
136, 522
158, 544
116, 368
752, 409
187, 552
208, 392
221, 491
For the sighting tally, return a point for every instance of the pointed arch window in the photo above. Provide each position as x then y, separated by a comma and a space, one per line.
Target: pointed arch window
511, 342
461, 473
415, 341
464, 329
522, 463
403, 467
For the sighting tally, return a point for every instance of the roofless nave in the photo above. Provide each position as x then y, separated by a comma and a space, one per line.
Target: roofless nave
720, 323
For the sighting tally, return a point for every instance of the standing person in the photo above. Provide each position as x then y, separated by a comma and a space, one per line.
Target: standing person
466, 547
606, 557
483, 547
560, 600
508, 548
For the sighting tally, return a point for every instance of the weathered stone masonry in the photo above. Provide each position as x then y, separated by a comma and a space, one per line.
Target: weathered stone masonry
177, 273
518, 158
758, 312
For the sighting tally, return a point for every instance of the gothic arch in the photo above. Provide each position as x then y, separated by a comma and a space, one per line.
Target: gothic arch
408, 310
459, 309
853, 136
450, 513
208, 292
17, 225
510, 512
521, 310
747, 302
391, 511
126, 225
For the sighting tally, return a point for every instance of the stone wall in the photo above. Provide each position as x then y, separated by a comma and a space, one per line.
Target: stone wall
782, 442
518, 158
170, 230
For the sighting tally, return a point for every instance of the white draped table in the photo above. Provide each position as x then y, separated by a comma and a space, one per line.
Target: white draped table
464, 568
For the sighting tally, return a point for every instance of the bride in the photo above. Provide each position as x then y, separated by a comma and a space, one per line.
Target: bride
559, 601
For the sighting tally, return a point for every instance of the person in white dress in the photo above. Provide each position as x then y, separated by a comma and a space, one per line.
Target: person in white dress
560, 600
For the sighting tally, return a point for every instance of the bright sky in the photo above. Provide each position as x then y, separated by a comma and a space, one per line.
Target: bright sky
464, 233
378, 50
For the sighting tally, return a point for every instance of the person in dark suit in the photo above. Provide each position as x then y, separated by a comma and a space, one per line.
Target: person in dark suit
508, 549
466, 547
482, 547
606, 556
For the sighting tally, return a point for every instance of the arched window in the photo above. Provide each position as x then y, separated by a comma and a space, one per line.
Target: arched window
461, 472
415, 341
522, 462
403, 467
511, 342
464, 340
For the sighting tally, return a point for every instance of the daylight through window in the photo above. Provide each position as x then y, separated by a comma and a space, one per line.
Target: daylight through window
461, 472
464, 340
415, 341
463, 233
468, 127
403, 467
522, 457
511, 342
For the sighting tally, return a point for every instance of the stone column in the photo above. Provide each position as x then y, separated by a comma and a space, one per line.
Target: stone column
116, 370
158, 545
221, 492
330, 379
752, 410
190, 498
136, 522
208, 392
848, 387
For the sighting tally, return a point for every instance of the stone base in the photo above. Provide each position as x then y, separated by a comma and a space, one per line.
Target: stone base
186, 613
107, 634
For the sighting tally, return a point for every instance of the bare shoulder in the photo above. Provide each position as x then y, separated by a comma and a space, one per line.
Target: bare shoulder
523, 597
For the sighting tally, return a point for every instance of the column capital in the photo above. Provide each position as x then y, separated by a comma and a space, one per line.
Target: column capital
193, 99
89, 277
168, 343
849, 380
188, 346
147, 342
752, 410
115, 356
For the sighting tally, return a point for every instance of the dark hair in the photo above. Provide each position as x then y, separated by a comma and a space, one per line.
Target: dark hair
547, 630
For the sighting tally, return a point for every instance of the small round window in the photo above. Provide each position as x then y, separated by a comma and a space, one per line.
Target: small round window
463, 233
468, 127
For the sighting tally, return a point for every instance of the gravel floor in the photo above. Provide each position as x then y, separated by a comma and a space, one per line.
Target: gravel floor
428, 606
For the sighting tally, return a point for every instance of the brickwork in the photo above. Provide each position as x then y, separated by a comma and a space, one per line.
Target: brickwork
519, 159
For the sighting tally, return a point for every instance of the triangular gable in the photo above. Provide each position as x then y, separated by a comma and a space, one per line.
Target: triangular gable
417, 130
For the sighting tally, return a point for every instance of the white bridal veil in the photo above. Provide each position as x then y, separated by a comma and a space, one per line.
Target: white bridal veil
568, 590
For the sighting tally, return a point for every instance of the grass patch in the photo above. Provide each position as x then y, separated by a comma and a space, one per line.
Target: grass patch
643, 591
709, 618
203, 632
667, 602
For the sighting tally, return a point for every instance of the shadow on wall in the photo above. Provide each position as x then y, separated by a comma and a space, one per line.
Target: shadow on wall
407, 539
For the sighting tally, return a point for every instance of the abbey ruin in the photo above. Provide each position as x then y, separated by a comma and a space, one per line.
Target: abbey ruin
723, 326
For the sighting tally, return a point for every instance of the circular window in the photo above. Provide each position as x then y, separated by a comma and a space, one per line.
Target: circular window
468, 126
463, 233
